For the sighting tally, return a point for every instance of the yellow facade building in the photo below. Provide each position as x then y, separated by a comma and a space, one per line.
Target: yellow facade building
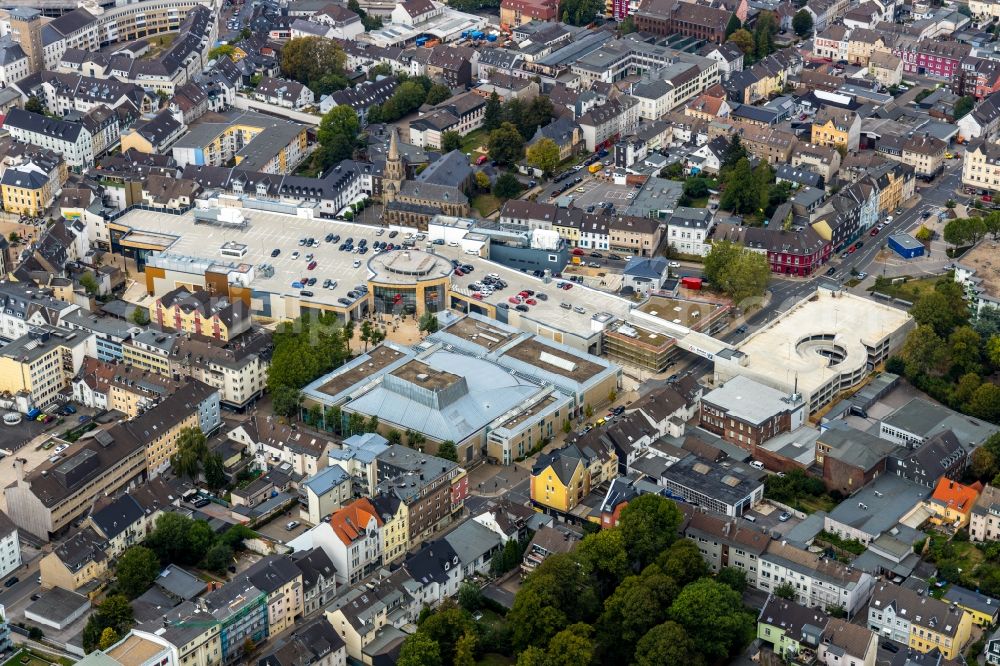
562, 478
31, 187
396, 526
75, 563
200, 313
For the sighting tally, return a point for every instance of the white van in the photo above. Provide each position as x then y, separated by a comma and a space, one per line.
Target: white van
756, 464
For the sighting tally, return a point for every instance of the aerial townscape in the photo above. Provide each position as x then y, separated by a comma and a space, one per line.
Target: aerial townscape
499, 332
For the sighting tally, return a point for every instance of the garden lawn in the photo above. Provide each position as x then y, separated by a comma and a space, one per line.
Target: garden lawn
486, 204
35, 659
911, 289
814, 504
473, 141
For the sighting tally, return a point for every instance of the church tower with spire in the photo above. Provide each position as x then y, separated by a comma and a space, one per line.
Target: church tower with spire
395, 169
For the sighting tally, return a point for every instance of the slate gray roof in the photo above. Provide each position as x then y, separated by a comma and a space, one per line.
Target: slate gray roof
39, 124
117, 516
450, 170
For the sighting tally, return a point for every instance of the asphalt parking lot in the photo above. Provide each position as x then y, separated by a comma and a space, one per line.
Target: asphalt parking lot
596, 191
766, 517
276, 528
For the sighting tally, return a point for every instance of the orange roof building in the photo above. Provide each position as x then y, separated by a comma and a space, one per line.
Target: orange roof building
357, 549
952, 502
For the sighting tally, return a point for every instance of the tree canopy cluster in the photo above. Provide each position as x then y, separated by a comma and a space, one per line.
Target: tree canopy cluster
180, 540
337, 136
948, 357
750, 191
737, 272
114, 613
370, 22
315, 62
303, 350
633, 594
964, 231
513, 123
580, 12
410, 95
193, 457
758, 44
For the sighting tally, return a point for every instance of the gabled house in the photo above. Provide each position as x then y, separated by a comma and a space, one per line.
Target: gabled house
790, 628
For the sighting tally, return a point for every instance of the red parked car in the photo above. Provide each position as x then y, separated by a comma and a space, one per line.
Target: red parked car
515, 300
458, 272
578, 252
312, 265
531, 301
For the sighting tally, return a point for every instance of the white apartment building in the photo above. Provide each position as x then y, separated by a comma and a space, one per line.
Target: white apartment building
71, 139
818, 581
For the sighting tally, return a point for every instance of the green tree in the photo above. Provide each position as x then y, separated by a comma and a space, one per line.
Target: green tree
470, 597
218, 558
394, 436
734, 578
993, 350
556, 595
627, 26
580, 12
428, 323
572, 646
741, 193
683, 562
802, 23
482, 181
603, 559
964, 105
667, 643
735, 151
744, 40
983, 464
136, 570
89, 284
285, 400
966, 386
215, 471
221, 50
34, 105
191, 452
108, 638
451, 141
309, 59
940, 310
636, 606
379, 69
465, 650
964, 345
114, 612
544, 155
493, 114
505, 144
507, 186
739, 273
733, 25
763, 34
786, 591
338, 133
446, 627
447, 451
437, 94
714, 616
649, 525
985, 403
140, 316
965, 231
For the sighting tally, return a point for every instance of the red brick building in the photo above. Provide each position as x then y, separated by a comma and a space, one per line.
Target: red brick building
788, 252
668, 17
